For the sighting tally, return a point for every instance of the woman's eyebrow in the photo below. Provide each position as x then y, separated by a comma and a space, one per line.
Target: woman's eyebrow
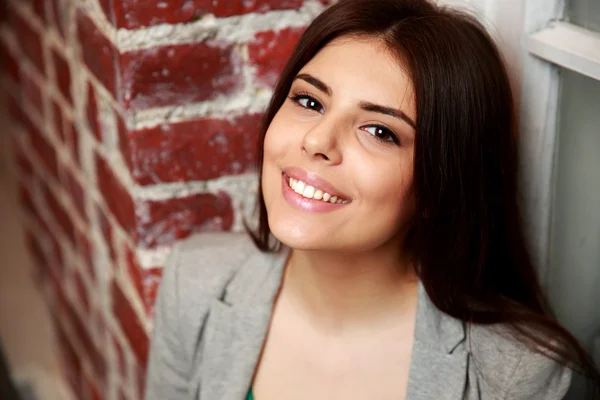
365, 105
316, 82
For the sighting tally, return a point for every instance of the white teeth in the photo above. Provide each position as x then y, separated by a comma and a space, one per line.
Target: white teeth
299, 187
311, 192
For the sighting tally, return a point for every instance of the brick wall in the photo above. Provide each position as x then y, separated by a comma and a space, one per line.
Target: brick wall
133, 123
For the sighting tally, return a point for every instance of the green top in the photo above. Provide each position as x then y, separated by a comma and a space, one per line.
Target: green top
250, 395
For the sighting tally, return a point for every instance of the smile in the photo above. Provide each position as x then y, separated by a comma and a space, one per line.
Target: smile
311, 198
310, 192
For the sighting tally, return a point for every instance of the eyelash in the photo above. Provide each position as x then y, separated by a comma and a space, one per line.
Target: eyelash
295, 97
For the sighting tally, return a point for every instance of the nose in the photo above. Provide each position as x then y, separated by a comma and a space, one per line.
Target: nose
322, 142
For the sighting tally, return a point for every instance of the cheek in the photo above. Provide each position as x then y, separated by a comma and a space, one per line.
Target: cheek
387, 188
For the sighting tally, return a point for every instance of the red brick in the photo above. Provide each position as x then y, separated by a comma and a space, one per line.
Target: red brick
32, 92
193, 150
72, 136
82, 292
71, 360
44, 150
58, 121
30, 41
178, 74
106, 229
92, 112
63, 74
116, 196
26, 201
83, 335
99, 54
130, 324
123, 133
146, 281
39, 255
39, 9
93, 392
60, 215
270, 52
169, 220
9, 64
120, 356
58, 13
23, 163
108, 10
86, 251
76, 192
132, 14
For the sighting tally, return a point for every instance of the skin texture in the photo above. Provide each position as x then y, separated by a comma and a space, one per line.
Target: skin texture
343, 322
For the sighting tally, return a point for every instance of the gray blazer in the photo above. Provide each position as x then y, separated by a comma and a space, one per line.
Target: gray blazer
214, 307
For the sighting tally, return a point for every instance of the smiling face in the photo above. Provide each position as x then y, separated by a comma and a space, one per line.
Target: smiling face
345, 131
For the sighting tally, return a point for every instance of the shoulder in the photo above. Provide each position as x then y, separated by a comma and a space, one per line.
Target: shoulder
506, 366
198, 271
206, 262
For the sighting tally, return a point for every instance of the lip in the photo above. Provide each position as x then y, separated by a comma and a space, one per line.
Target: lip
316, 181
302, 203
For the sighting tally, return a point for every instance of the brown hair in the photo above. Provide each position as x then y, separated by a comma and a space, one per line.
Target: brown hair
467, 235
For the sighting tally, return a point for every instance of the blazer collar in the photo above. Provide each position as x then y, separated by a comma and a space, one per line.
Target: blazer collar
439, 361
237, 326
236, 329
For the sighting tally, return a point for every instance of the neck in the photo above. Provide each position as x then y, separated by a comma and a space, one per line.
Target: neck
338, 289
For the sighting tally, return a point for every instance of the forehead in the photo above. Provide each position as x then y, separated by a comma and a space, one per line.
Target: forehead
363, 69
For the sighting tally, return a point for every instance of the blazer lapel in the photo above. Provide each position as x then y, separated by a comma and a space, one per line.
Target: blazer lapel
233, 341
439, 361
236, 328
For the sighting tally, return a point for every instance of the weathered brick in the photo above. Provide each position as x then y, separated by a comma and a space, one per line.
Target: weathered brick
30, 41
76, 192
9, 64
193, 150
58, 118
93, 353
63, 74
60, 215
58, 15
117, 197
32, 92
24, 165
92, 112
106, 229
39, 9
72, 136
123, 133
87, 252
98, 52
146, 281
132, 14
44, 150
165, 221
120, 356
130, 324
178, 74
270, 51
93, 392
71, 360
82, 292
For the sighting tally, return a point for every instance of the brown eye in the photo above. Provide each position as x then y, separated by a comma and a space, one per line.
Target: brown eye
305, 101
382, 133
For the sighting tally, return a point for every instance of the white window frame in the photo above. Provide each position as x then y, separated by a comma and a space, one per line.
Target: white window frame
549, 45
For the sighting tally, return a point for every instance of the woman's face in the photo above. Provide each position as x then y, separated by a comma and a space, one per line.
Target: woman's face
346, 130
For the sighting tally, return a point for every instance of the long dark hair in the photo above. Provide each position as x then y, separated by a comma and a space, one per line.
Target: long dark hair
467, 235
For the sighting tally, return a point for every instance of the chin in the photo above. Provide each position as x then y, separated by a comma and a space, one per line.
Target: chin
297, 236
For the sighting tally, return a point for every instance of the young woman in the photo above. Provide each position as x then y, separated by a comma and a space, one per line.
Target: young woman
389, 260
